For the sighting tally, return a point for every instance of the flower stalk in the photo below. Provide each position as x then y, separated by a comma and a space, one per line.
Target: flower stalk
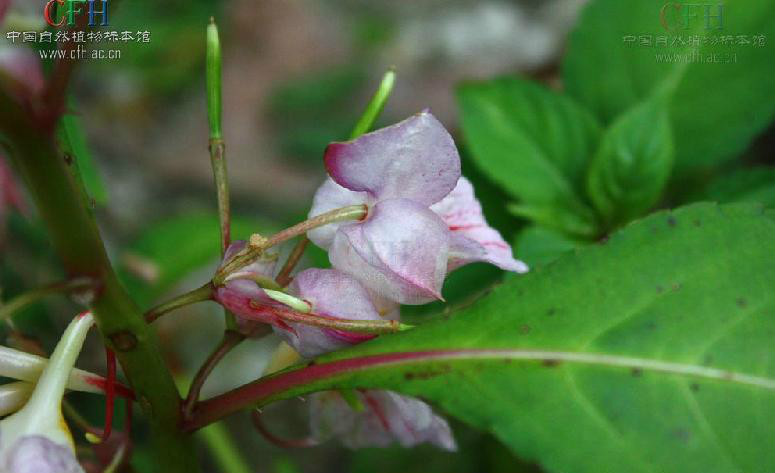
258, 243
200, 294
376, 104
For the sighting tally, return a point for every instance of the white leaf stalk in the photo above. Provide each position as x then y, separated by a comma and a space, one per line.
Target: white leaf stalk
13, 396
27, 367
36, 438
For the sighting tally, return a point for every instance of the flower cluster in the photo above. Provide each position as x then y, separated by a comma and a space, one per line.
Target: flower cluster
419, 221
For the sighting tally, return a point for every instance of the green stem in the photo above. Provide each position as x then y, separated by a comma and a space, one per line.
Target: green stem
284, 276
258, 244
63, 207
375, 106
217, 146
32, 296
200, 294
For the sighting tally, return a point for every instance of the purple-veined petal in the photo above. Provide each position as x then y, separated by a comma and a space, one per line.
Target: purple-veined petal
400, 251
472, 238
38, 454
388, 417
330, 196
415, 159
330, 293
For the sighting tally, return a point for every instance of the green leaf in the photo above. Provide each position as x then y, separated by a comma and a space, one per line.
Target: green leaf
652, 352
633, 163
173, 249
535, 144
73, 142
755, 184
718, 107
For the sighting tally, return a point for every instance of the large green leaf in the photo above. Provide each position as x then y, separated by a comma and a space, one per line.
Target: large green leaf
718, 106
652, 352
535, 144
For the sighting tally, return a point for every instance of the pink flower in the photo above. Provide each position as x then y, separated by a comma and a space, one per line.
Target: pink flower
38, 454
333, 294
242, 295
387, 417
472, 239
406, 174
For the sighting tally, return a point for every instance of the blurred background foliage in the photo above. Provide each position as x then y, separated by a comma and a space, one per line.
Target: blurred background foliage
296, 76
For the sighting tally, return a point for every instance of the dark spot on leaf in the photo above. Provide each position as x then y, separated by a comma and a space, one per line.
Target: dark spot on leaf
741, 302
636, 372
551, 311
651, 325
697, 223
68, 159
551, 362
660, 289
671, 221
603, 240
676, 286
524, 329
694, 387
681, 434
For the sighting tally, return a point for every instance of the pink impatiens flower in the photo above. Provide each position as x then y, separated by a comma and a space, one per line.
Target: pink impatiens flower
407, 175
387, 417
471, 238
330, 293
241, 293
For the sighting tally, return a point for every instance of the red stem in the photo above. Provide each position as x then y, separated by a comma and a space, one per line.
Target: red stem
296, 382
110, 393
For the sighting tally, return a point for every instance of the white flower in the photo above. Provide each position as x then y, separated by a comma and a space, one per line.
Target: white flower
36, 438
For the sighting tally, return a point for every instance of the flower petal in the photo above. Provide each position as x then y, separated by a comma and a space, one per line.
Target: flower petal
38, 454
399, 252
388, 417
331, 293
330, 196
247, 301
472, 238
415, 159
